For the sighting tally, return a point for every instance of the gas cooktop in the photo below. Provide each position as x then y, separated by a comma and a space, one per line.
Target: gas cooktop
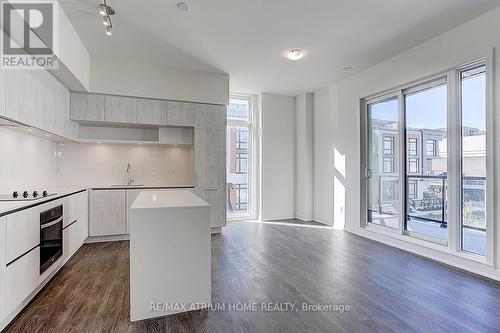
25, 196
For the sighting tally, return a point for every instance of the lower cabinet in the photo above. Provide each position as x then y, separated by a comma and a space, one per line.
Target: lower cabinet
21, 279
216, 197
107, 213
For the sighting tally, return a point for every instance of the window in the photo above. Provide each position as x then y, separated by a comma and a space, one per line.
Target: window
431, 148
443, 122
412, 147
413, 189
473, 165
388, 164
388, 145
413, 165
241, 165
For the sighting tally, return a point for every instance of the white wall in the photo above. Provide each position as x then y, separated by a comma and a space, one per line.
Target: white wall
27, 162
304, 158
337, 121
105, 164
135, 78
278, 156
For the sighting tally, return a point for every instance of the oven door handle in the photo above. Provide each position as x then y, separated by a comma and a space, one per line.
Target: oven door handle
50, 224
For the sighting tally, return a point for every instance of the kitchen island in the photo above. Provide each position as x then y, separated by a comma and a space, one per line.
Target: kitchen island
170, 268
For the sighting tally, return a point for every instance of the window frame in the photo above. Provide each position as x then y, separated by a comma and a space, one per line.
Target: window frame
453, 246
253, 124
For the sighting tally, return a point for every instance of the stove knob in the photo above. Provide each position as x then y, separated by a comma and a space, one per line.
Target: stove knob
35, 194
44, 193
25, 194
15, 194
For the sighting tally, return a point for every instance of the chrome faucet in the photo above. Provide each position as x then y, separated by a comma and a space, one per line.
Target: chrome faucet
130, 178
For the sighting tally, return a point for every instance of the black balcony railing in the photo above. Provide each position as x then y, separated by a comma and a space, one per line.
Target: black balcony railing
434, 199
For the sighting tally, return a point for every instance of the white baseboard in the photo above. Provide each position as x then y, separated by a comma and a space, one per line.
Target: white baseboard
112, 238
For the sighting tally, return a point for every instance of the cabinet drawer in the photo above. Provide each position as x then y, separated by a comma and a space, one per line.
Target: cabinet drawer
22, 278
23, 232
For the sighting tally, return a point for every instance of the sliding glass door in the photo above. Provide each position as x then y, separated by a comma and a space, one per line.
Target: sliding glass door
383, 163
426, 122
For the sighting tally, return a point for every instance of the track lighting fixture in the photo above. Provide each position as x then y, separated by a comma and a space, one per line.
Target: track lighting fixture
106, 12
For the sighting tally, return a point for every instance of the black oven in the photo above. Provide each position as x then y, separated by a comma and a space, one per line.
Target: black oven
51, 237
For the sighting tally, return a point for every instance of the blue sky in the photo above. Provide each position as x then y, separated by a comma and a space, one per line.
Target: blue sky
428, 109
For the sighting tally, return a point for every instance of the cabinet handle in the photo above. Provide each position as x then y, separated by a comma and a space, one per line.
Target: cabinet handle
213, 189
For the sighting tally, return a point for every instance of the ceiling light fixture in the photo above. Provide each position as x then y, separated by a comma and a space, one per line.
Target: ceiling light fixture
183, 6
295, 54
347, 69
106, 12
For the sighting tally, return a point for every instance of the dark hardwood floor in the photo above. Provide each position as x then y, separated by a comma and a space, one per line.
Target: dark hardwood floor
388, 290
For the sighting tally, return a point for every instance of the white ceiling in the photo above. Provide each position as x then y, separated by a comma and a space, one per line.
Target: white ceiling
246, 38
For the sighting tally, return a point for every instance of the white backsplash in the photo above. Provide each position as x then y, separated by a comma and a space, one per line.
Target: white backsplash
105, 164
31, 162
26, 161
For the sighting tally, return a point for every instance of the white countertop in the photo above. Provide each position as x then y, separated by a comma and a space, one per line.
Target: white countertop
6, 207
168, 199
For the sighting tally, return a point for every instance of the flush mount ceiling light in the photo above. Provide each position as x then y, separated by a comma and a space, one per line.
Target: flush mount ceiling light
183, 6
294, 54
347, 69
106, 12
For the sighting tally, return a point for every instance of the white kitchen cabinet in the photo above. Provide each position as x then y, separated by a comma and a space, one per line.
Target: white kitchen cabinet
216, 197
180, 114
23, 232
87, 107
210, 158
21, 96
120, 109
21, 279
107, 213
151, 111
209, 116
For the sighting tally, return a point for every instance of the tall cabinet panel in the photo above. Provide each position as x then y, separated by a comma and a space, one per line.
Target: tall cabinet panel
209, 116
210, 158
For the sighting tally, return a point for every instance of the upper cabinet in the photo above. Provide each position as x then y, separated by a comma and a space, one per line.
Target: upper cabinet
152, 111
119, 109
180, 114
21, 96
38, 99
211, 117
87, 107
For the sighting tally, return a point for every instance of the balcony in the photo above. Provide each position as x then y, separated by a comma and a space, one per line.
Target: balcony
427, 205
